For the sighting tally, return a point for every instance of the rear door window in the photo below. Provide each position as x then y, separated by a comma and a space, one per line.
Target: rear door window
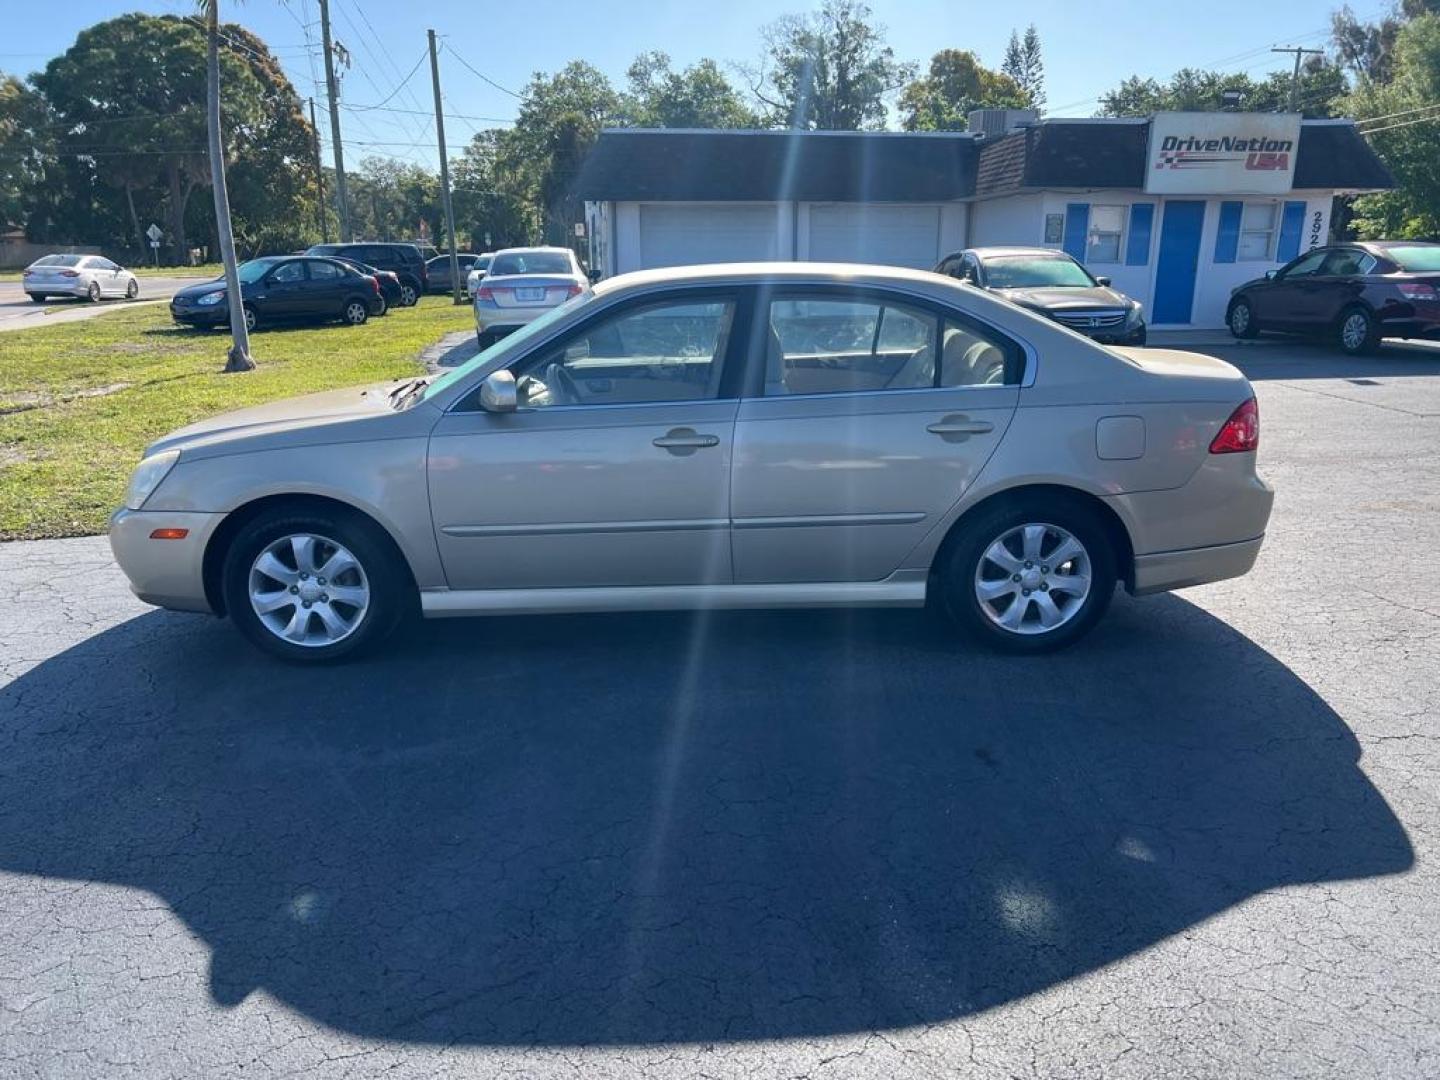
833, 344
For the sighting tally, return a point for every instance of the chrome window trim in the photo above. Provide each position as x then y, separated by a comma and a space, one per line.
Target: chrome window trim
1027, 379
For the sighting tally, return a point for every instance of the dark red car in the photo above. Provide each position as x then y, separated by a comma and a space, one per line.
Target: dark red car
1354, 293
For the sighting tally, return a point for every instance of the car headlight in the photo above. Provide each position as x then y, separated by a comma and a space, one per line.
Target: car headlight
1136, 314
210, 299
147, 476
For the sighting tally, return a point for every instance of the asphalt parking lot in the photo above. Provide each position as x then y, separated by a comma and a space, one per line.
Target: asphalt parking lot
19, 312
1201, 843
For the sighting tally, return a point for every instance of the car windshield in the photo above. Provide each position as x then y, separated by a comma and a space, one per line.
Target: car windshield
252, 271
525, 333
60, 260
1421, 258
1036, 271
530, 262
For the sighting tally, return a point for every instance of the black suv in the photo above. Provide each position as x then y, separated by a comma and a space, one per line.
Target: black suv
404, 259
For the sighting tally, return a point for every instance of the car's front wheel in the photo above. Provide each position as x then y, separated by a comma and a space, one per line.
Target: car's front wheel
1241, 319
132, 290
1030, 576
312, 587
252, 319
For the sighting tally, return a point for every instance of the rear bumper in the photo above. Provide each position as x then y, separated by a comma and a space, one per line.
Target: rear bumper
491, 317
166, 573
51, 288
1167, 570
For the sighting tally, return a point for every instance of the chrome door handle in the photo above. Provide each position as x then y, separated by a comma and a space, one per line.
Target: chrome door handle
960, 427
685, 439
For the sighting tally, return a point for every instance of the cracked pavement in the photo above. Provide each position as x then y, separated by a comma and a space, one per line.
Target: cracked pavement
1199, 844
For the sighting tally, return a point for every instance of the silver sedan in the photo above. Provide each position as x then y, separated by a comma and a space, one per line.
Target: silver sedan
758, 435
92, 277
520, 285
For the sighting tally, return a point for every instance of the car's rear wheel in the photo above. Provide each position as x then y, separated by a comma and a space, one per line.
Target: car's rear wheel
1358, 331
1241, 319
252, 318
484, 339
409, 294
384, 306
1030, 576
93, 292
132, 290
39, 297
355, 312
312, 587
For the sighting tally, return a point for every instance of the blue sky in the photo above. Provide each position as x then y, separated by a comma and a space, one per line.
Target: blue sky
1088, 47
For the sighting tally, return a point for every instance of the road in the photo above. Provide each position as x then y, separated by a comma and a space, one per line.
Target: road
1203, 843
19, 312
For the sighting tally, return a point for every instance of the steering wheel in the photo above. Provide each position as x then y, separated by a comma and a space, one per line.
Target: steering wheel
561, 385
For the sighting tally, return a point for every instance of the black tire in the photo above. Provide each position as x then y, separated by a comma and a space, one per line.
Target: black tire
132, 290
484, 338
961, 561
409, 293
1357, 331
355, 312
389, 586
39, 297
252, 318
1240, 318
93, 292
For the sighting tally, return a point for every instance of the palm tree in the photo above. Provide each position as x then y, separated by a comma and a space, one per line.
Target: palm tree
239, 356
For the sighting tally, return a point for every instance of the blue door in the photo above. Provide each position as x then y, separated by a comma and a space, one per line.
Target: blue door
1179, 260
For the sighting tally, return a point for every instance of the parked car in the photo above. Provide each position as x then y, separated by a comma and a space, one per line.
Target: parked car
521, 285
404, 260
391, 291
680, 438
438, 270
284, 288
90, 276
1053, 284
1354, 294
477, 272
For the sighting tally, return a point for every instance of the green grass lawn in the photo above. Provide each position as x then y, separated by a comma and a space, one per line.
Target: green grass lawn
79, 401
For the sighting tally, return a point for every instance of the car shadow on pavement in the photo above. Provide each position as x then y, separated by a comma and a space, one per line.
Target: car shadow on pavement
658, 828
1300, 358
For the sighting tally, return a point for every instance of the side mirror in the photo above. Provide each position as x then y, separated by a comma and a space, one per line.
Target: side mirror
1105, 281
498, 393
1270, 274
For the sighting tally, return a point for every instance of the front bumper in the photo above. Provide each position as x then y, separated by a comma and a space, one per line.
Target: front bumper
166, 573
1168, 570
195, 315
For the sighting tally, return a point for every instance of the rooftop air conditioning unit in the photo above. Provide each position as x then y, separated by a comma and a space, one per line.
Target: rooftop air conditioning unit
992, 123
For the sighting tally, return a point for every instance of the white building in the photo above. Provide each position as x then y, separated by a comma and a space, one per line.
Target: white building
1176, 209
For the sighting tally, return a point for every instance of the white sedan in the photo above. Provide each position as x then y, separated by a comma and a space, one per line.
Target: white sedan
90, 276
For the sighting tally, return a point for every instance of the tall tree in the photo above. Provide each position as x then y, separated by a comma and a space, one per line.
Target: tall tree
956, 84
698, 97
239, 356
829, 70
1322, 86
1024, 65
22, 140
491, 208
1403, 132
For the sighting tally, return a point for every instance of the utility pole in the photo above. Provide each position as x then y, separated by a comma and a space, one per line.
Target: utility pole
444, 174
1295, 78
340, 194
319, 178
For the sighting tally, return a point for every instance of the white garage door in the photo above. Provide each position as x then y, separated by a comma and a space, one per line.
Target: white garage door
888, 235
681, 235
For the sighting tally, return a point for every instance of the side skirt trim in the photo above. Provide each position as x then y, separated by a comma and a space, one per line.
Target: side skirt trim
901, 590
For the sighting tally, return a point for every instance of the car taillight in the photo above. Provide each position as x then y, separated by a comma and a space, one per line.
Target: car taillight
375, 285
1417, 291
1240, 433
69, 273
28, 273
484, 293
574, 290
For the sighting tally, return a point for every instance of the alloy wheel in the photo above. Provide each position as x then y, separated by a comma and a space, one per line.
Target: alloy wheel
1239, 319
308, 590
355, 313
1033, 578
251, 320
408, 296
93, 291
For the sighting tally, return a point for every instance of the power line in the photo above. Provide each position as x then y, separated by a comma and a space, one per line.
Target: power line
401, 86
1404, 124
448, 115
480, 75
1402, 112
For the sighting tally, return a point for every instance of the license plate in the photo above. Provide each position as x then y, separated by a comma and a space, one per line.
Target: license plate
529, 296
